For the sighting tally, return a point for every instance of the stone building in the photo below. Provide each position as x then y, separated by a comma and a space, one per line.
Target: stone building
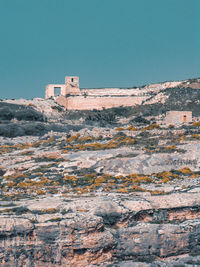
178, 117
72, 97
71, 86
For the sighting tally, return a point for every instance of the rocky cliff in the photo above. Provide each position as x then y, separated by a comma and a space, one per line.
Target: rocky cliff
102, 230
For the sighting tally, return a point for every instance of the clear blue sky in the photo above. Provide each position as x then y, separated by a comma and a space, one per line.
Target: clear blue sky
114, 43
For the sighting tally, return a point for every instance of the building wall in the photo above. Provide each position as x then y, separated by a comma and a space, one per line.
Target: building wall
93, 102
50, 90
177, 117
72, 85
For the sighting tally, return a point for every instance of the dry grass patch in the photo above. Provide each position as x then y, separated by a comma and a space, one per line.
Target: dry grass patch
157, 192
141, 179
132, 128
197, 123
122, 190
119, 129
136, 188
151, 127
185, 170
70, 178
50, 210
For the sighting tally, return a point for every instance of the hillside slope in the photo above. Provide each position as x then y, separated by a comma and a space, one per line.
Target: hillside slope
101, 187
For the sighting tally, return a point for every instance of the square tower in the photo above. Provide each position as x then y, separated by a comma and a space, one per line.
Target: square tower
72, 85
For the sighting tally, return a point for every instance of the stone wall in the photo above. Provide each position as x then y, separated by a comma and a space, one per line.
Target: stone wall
71, 86
97, 102
50, 90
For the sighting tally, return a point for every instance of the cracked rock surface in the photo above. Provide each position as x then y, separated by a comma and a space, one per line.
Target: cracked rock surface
102, 230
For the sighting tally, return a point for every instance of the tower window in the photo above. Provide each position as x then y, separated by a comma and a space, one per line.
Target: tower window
72, 80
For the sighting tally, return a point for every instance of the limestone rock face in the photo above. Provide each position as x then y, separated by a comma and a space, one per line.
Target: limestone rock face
147, 164
103, 230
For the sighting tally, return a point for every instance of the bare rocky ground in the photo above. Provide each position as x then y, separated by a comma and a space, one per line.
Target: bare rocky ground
97, 190
101, 196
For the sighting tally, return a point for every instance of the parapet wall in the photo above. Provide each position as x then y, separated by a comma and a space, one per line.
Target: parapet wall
112, 92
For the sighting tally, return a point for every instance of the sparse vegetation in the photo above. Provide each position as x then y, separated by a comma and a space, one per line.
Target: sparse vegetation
197, 123
98, 131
